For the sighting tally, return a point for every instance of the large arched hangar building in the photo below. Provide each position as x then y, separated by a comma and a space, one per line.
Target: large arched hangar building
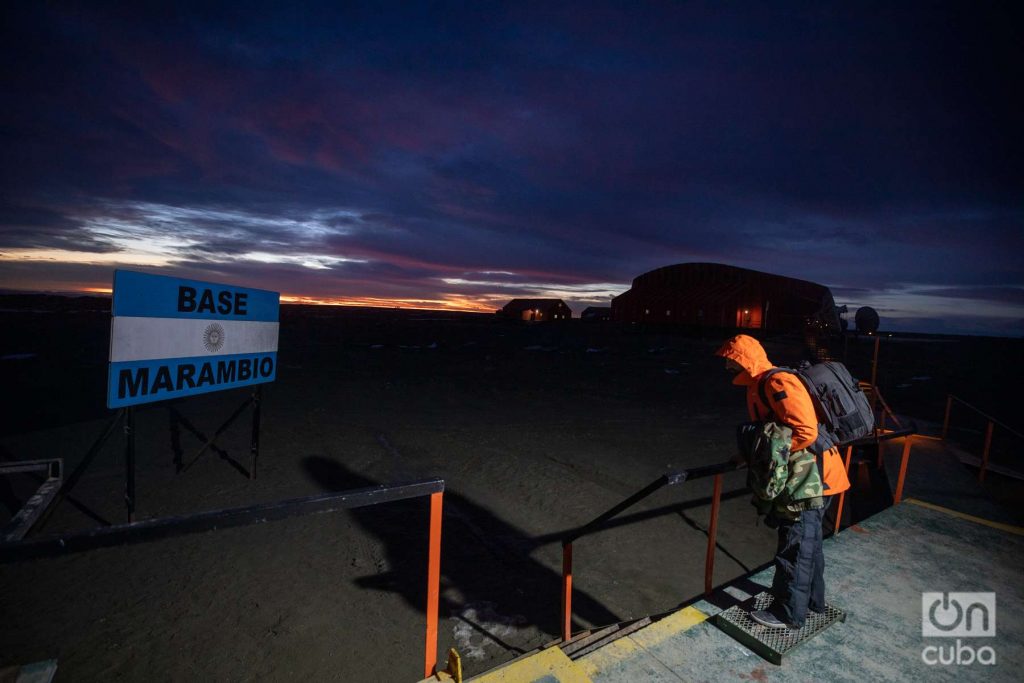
721, 296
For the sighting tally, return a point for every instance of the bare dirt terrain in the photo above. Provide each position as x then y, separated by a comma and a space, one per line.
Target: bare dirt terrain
535, 429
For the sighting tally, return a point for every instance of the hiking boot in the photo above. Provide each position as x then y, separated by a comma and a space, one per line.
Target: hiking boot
766, 618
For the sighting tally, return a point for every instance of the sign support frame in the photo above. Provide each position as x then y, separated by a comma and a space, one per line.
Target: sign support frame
69, 483
126, 416
129, 462
254, 400
254, 443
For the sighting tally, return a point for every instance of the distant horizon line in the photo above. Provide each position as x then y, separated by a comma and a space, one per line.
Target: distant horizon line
291, 300
287, 299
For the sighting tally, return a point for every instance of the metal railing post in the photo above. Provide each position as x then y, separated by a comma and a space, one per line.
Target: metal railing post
709, 559
945, 420
874, 375
129, 462
842, 496
433, 583
254, 442
907, 441
566, 592
984, 454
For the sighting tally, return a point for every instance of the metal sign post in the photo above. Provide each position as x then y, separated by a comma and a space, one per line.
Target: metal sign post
129, 463
171, 338
254, 448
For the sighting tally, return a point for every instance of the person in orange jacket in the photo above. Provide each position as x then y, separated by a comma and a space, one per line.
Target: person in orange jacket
799, 582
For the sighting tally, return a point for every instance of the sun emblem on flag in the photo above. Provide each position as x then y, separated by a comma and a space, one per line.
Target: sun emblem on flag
213, 337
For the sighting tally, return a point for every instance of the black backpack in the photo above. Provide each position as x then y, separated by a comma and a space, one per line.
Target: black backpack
843, 411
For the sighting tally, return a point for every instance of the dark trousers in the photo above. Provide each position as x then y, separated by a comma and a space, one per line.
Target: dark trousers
799, 581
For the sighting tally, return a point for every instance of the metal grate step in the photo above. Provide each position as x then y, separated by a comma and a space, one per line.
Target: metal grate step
772, 643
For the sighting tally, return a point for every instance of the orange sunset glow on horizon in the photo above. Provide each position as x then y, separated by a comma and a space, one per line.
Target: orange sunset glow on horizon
457, 304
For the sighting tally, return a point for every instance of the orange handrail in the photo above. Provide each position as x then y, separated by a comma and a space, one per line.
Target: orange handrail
949, 402
717, 471
667, 479
567, 591
842, 496
709, 557
908, 437
876, 396
904, 461
989, 428
81, 541
433, 583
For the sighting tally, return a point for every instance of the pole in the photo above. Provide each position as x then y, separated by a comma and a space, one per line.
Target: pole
709, 558
842, 496
433, 583
254, 450
874, 375
129, 462
945, 420
904, 458
566, 592
984, 455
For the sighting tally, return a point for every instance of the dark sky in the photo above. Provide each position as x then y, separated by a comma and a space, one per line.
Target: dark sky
462, 154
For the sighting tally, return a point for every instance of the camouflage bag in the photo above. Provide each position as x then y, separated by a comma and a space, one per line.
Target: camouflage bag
765, 447
784, 483
804, 487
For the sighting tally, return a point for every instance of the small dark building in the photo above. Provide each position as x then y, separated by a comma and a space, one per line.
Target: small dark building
717, 295
596, 313
536, 310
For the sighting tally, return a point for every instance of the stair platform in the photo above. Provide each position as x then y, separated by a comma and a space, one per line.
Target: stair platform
772, 643
878, 568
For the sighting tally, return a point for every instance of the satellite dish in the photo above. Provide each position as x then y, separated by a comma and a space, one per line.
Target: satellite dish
866, 320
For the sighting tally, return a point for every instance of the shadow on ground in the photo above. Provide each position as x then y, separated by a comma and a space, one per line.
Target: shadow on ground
484, 558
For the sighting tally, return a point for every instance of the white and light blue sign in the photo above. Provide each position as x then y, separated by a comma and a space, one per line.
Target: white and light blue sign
171, 338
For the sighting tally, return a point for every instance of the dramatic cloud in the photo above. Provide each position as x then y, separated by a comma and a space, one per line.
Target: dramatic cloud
460, 155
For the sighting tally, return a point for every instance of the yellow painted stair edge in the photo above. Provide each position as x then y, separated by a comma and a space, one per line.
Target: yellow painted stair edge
628, 647
550, 662
553, 663
1009, 528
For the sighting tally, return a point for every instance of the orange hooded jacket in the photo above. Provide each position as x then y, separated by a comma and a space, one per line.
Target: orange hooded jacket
788, 403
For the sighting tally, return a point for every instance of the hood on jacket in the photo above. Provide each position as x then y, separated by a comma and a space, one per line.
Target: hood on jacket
749, 354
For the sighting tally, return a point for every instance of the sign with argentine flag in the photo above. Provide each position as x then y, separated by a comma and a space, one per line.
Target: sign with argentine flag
171, 338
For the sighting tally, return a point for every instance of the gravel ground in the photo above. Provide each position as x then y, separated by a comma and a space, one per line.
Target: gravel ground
535, 429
